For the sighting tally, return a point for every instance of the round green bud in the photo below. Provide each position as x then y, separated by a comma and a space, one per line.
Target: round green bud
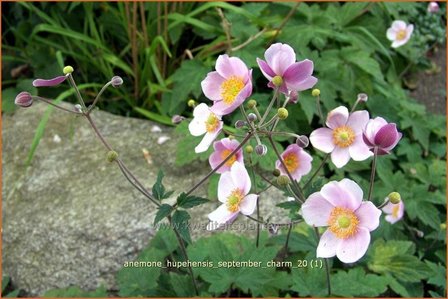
249, 149
231, 137
276, 172
112, 156
67, 70
282, 113
251, 104
277, 81
443, 226
191, 103
283, 180
315, 92
394, 197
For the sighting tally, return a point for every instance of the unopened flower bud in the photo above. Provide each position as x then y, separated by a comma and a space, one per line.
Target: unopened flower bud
302, 141
394, 197
277, 81
177, 119
252, 117
231, 137
362, 97
276, 172
191, 103
112, 156
240, 124
24, 99
443, 226
78, 108
315, 92
116, 81
293, 96
249, 149
261, 149
282, 113
67, 70
251, 104
283, 180
433, 7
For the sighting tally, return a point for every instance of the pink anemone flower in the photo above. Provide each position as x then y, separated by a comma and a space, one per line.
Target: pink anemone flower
223, 148
399, 33
378, 133
233, 189
229, 85
297, 161
281, 61
339, 206
394, 211
205, 122
343, 137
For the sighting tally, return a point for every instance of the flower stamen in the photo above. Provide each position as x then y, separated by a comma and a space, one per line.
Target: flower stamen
234, 200
225, 153
343, 136
212, 123
231, 88
343, 223
291, 161
401, 35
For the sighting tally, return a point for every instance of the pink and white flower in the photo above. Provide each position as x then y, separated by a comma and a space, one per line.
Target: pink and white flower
223, 148
378, 133
229, 85
205, 122
399, 33
394, 211
343, 137
233, 189
281, 61
340, 207
433, 7
297, 161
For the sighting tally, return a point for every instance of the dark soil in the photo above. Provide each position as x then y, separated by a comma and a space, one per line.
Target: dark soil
431, 88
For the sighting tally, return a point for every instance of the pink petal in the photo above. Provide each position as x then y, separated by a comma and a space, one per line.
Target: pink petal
340, 156
352, 249
328, 245
50, 82
307, 84
388, 149
222, 108
391, 34
398, 25
353, 190
248, 204
337, 117
358, 120
197, 124
339, 195
231, 66
372, 127
225, 187
201, 111
207, 141
359, 151
297, 73
322, 139
211, 86
215, 159
220, 216
279, 57
304, 168
240, 177
316, 210
265, 69
386, 136
368, 215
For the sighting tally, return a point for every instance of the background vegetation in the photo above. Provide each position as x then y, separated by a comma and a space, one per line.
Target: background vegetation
164, 50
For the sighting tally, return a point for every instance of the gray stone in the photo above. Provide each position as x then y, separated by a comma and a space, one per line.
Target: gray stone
71, 218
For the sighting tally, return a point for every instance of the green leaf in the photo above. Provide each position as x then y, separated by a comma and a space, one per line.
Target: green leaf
356, 283
180, 222
5, 282
165, 240
188, 201
164, 211
76, 292
309, 281
438, 274
185, 153
158, 189
15, 294
8, 97
182, 285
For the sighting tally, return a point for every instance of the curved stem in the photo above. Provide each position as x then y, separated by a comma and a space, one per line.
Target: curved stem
319, 110
50, 102
287, 239
275, 224
98, 96
78, 94
372, 174
383, 204
266, 113
317, 171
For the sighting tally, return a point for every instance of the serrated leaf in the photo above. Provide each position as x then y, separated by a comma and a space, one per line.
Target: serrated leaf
356, 283
164, 210
188, 201
180, 222
182, 285
158, 189
75, 292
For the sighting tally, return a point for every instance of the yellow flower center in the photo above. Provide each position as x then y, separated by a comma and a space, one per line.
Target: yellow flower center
395, 211
212, 123
401, 35
343, 136
225, 153
343, 223
234, 199
291, 161
231, 88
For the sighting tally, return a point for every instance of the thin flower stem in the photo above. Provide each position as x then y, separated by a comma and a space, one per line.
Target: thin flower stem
267, 224
246, 139
372, 174
266, 113
184, 252
249, 40
285, 20
317, 171
281, 133
296, 198
98, 133
98, 96
319, 110
268, 181
257, 113
278, 119
383, 204
270, 122
50, 102
354, 106
287, 239
78, 94
327, 267
254, 184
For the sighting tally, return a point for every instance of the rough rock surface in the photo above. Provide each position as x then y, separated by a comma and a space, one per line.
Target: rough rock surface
71, 218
